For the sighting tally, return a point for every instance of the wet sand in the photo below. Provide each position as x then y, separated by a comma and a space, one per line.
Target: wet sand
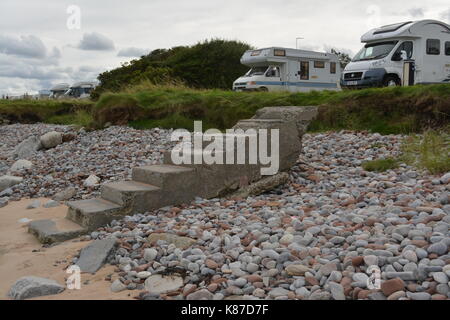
17, 258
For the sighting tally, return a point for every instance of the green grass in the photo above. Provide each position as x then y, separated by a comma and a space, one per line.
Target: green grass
381, 165
401, 110
51, 111
429, 151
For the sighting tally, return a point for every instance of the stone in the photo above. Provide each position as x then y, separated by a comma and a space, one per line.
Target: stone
278, 292
445, 179
51, 139
118, 286
65, 195
388, 287
337, 291
95, 255
440, 248
27, 148
410, 255
91, 181
360, 277
158, 284
320, 295
178, 241
440, 277
31, 287
3, 202
202, 294
418, 295
397, 295
296, 269
34, 204
150, 254
51, 204
357, 261
9, 181
371, 260
143, 274
21, 164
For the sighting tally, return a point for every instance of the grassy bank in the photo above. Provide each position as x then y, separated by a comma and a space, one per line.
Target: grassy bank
388, 110
76, 112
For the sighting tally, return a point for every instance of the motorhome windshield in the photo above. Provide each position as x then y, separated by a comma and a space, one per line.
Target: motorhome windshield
375, 51
257, 71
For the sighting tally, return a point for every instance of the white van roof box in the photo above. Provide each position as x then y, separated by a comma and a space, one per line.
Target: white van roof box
403, 29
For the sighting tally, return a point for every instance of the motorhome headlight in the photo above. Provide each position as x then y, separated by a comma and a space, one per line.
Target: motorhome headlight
378, 63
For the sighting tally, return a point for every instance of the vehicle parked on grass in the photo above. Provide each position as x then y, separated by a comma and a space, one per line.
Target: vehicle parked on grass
283, 69
59, 90
80, 90
408, 53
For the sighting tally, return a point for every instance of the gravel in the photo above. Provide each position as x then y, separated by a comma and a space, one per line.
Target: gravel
318, 237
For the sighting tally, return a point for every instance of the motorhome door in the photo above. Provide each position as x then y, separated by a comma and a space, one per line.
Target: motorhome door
404, 51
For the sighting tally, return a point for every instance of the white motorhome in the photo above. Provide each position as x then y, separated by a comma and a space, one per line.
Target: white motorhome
80, 90
59, 90
405, 53
283, 69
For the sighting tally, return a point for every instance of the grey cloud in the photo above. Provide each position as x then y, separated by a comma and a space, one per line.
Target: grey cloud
27, 46
416, 12
96, 41
445, 15
132, 52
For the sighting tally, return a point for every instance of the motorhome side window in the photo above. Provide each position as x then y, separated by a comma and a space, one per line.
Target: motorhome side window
332, 67
447, 48
304, 70
433, 46
273, 72
406, 46
319, 64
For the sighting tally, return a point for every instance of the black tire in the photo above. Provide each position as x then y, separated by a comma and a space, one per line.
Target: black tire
263, 89
391, 81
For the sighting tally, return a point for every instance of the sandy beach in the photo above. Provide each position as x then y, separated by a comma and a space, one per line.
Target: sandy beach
22, 255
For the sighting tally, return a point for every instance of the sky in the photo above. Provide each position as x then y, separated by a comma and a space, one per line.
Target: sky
46, 42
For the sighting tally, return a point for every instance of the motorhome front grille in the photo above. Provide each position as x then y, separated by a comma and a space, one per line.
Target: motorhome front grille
240, 83
353, 76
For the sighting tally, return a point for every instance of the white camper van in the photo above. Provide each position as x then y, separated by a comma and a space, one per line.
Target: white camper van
282, 69
59, 90
405, 53
80, 90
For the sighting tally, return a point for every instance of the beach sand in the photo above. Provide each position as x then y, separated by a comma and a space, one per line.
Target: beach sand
17, 258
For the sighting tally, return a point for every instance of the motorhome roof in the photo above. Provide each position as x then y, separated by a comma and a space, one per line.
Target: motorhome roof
279, 55
60, 87
83, 85
403, 29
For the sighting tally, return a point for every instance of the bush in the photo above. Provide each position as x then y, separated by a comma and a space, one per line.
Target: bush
209, 64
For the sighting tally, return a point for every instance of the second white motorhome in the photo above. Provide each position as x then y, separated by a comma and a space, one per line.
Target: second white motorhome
401, 54
283, 69
80, 90
59, 90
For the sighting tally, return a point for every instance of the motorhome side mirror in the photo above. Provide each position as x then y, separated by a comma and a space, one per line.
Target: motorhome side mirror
397, 56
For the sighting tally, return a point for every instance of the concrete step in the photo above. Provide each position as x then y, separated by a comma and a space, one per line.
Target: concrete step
178, 184
135, 196
57, 230
94, 213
